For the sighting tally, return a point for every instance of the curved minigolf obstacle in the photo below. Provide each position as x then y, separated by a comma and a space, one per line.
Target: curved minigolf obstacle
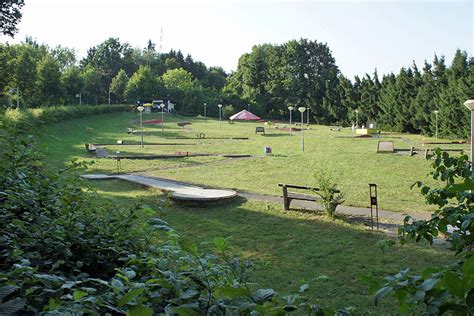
178, 191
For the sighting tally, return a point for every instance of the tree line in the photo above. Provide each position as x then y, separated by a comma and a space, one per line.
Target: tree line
269, 79
111, 72
304, 73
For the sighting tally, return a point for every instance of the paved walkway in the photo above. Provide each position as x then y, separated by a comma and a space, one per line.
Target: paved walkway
389, 221
179, 191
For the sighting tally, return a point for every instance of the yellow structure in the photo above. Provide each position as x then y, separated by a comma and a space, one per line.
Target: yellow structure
366, 131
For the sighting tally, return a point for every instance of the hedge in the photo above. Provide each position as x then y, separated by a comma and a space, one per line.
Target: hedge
23, 120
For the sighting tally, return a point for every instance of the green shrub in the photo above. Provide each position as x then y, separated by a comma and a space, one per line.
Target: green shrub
27, 119
449, 289
328, 192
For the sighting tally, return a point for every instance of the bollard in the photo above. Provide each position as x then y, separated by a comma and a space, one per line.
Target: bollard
373, 202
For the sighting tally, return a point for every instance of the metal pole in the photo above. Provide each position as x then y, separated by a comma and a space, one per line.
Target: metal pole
220, 117
302, 132
308, 118
357, 119
17, 97
248, 107
205, 116
162, 119
472, 144
291, 130
141, 126
109, 96
436, 113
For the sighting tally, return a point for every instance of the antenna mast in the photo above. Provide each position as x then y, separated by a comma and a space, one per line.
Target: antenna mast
161, 40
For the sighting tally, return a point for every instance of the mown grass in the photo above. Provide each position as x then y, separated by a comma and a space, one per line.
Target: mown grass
289, 249
352, 161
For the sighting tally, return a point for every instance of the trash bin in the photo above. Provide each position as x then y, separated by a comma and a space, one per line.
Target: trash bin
268, 151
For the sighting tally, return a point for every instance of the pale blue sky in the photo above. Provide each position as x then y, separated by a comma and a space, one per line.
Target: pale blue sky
361, 35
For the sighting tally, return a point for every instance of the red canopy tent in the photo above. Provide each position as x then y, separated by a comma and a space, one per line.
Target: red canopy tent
244, 115
152, 122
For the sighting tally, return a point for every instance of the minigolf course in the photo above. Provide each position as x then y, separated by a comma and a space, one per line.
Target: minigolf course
178, 191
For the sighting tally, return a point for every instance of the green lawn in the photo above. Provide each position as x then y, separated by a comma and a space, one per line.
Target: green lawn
289, 249
352, 161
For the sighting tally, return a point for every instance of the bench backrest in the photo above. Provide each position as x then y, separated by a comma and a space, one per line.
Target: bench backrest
259, 129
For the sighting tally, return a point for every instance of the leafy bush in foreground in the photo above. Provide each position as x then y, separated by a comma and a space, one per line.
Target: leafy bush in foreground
449, 289
61, 253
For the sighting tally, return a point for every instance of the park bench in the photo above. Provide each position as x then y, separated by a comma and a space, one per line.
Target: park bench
288, 196
260, 129
90, 148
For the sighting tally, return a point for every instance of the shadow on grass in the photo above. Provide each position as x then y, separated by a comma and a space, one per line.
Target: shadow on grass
276, 135
289, 248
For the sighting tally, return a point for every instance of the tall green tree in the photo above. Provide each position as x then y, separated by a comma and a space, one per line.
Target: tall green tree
118, 86
143, 85
50, 89
25, 74
178, 79
92, 85
10, 16
73, 83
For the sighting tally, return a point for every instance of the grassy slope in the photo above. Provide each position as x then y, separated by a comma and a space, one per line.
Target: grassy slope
352, 161
289, 249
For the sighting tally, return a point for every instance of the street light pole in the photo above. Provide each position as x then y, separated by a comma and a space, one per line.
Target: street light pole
302, 109
248, 107
17, 97
220, 107
436, 114
357, 118
162, 118
80, 98
291, 110
470, 105
307, 119
140, 109
205, 104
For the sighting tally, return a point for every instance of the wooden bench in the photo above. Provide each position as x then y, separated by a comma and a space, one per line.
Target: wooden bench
260, 129
90, 148
289, 196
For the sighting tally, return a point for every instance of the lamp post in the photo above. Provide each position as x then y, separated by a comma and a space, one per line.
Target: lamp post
162, 118
205, 104
307, 117
220, 107
357, 118
470, 105
80, 98
17, 90
140, 109
302, 109
436, 114
109, 96
248, 107
291, 110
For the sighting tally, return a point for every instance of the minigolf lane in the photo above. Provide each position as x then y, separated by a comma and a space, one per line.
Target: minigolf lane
179, 191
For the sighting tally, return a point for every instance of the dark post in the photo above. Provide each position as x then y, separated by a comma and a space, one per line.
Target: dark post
286, 201
373, 202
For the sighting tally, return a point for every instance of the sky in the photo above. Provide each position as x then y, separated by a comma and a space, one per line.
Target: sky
362, 36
